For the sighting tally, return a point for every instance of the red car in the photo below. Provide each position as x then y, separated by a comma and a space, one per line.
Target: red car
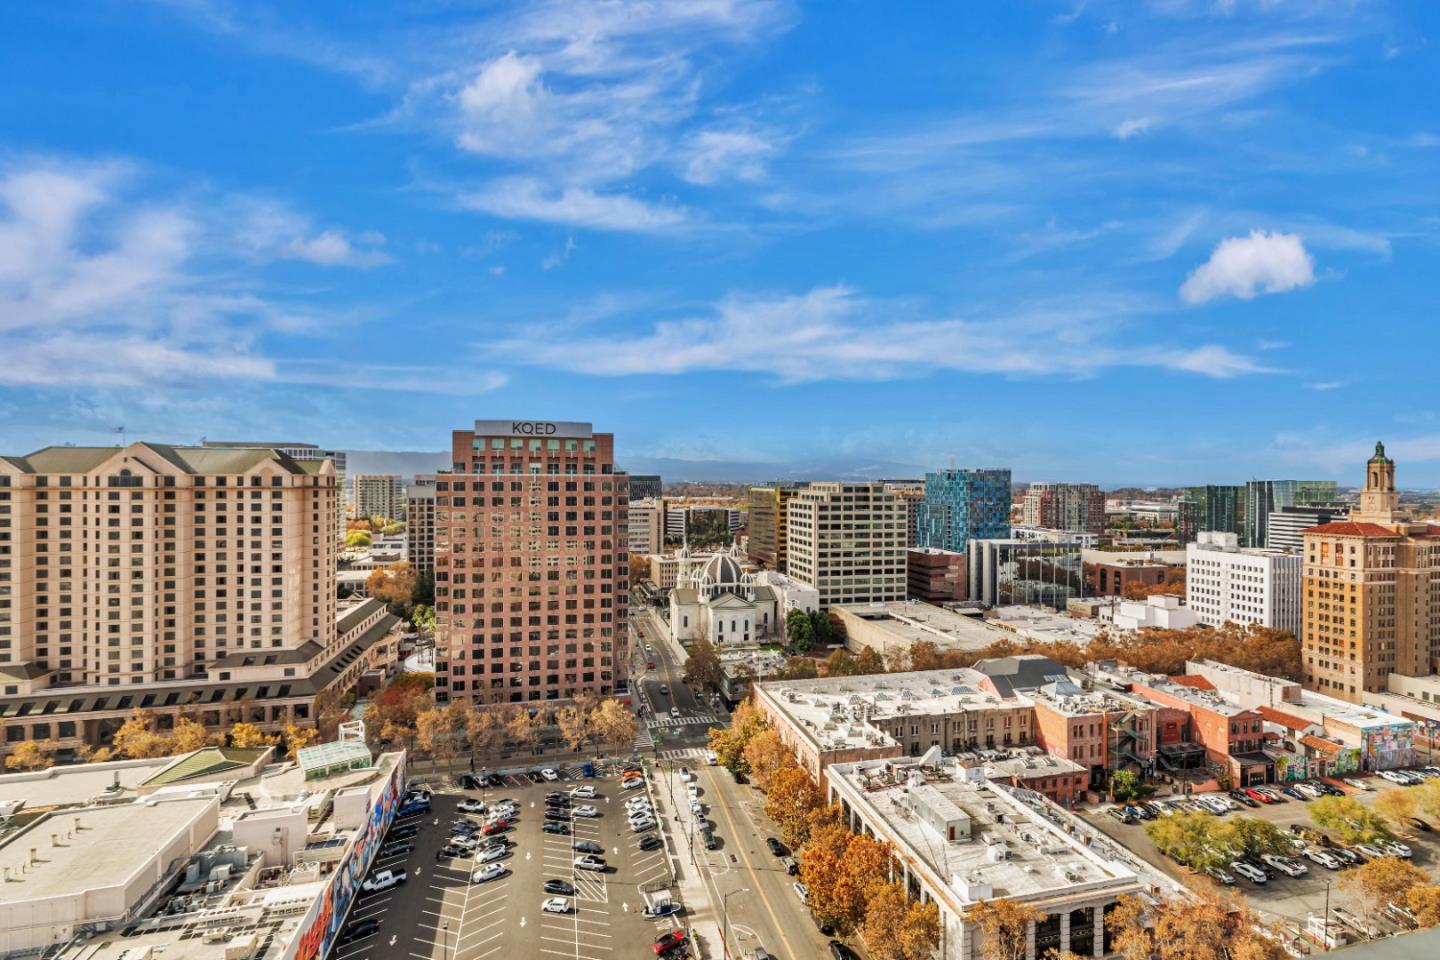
1258, 795
649, 664
497, 826
669, 941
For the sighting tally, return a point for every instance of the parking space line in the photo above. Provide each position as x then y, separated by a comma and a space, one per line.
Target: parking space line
577, 956
366, 912
442, 916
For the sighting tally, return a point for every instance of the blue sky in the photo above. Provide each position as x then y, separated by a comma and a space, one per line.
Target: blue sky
1123, 242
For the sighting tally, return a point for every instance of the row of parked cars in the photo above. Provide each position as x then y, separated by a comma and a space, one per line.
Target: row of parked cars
1222, 803
1410, 778
1316, 848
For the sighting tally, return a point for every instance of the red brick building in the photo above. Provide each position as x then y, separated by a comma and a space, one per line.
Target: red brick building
935, 575
531, 570
1112, 579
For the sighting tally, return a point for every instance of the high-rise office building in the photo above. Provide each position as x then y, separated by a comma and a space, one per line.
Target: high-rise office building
645, 486
1372, 589
1225, 583
847, 540
1073, 507
911, 494
531, 570
1010, 572
303, 452
379, 495
1264, 497
153, 570
646, 534
1211, 507
963, 505
766, 525
1285, 528
420, 524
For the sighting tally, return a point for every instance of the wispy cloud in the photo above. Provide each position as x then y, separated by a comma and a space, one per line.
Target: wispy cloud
1245, 266
833, 333
269, 230
524, 198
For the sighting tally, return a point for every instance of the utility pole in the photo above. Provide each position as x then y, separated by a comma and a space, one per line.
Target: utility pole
1326, 921
725, 919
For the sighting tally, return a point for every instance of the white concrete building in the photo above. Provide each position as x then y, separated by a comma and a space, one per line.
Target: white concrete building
647, 526
1162, 612
961, 839
847, 540
723, 604
1227, 583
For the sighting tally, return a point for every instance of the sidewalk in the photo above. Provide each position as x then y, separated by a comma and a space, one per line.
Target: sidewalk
667, 792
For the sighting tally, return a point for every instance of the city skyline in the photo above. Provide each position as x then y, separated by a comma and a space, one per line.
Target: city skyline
874, 243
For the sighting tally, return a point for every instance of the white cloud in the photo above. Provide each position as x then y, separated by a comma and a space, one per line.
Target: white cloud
558, 259
832, 333
716, 155
1132, 128
269, 230
1326, 385
524, 198
1242, 267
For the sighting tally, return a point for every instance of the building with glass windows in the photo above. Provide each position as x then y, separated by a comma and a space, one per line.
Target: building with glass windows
1264, 497
1008, 572
1211, 507
962, 505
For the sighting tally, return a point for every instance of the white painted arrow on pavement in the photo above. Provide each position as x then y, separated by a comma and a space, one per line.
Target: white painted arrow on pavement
522, 921
392, 940
527, 854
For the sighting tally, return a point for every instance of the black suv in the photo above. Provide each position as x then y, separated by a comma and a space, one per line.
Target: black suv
397, 848
562, 815
839, 951
776, 847
560, 887
402, 833
362, 928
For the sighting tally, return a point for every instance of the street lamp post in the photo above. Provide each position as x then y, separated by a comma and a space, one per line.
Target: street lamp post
725, 919
1326, 921
445, 939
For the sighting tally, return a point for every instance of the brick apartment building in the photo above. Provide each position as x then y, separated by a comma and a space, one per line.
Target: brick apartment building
531, 564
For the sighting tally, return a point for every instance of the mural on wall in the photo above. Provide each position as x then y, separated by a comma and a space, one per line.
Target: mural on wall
1346, 761
1389, 747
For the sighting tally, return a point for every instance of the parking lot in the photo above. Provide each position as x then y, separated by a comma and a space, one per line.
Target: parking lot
1287, 899
440, 913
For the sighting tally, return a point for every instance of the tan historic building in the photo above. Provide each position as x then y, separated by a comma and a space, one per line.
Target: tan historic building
165, 577
1371, 594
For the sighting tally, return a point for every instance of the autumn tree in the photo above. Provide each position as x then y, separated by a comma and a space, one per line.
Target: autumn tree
1350, 819
332, 708
32, 755
796, 668
790, 800
1382, 881
702, 666
898, 928
356, 539
1397, 806
729, 743
523, 729
840, 663
484, 730
574, 726
187, 736
865, 865
613, 724
138, 738
1424, 903
1427, 797
392, 712
1004, 927
765, 754
246, 736
441, 731
297, 738
639, 568
393, 585
822, 862
1199, 927
1186, 838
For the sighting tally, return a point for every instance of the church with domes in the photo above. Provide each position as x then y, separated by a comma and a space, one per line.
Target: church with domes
716, 599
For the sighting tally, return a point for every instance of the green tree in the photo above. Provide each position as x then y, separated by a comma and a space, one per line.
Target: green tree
1186, 838
1349, 819
1123, 785
796, 668
799, 631
356, 539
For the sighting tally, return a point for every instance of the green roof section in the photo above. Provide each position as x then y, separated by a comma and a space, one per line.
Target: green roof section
324, 759
206, 762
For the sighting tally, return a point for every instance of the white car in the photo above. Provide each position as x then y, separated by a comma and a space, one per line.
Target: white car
1371, 850
1285, 865
585, 792
686, 775
549, 774
1253, 874
589, 863
801, 891
493, 854
696, 807
556, 905
641, 825
1395, 848
471, 806
1357, 783
710, 758
634, 783
691, 791
1327, 860
492, 872
1309, 791
585, 810
637, 803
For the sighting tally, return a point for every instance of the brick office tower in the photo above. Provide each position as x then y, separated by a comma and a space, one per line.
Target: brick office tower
1372, 589
531, 570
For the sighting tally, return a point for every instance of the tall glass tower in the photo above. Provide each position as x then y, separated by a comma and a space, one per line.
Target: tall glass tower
963, 505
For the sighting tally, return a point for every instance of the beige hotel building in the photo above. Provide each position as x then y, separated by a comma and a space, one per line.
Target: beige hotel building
531, 564
184, 579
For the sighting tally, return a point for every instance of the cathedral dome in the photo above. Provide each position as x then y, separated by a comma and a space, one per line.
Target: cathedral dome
722, 569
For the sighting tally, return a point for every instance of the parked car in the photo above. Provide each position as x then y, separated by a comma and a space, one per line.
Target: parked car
1287, 866
1294, 793
641, 825
1221, 876
1244, 798
492, 854
708, 836
801, 891
1418, 824
664, 908
1253, 874
561, 815
1347, 856
491, 872
555, 905
1371, 851
776, 847
633, 783
1325, 858
838, 951
383, 880
495, 826
650, 842
1254, 794
402, 833
396, 848
557, 799
667, 942
586, 810
1119, 813
360, 928
588, 846
556, 828
469, 805
1395, 848
791, 867
583, 792
590, 862
562, 887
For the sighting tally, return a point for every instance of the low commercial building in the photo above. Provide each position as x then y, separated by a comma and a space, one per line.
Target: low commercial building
214, 853
962, 839
842, 719
1043, 625
1055, 778
1363, 737
891, 629
1115, 577
934, 575
1161, 612
1225, 583
1014, 571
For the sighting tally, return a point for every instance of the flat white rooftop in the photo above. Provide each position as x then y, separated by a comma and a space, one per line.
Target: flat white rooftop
910, 620
1045, 625
69, 786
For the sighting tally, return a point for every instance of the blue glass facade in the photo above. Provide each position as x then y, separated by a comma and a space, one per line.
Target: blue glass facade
963, 505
